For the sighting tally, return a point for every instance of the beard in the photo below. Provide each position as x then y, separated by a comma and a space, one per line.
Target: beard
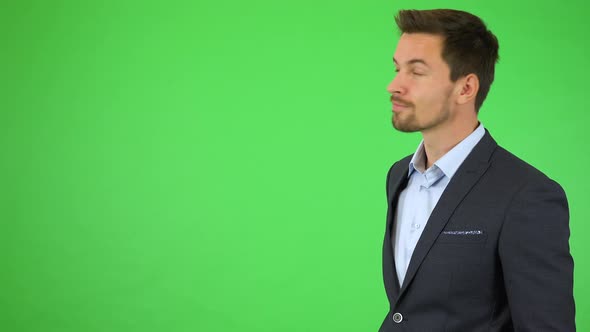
407, 121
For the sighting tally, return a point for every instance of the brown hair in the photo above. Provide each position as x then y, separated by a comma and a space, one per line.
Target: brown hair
469, 47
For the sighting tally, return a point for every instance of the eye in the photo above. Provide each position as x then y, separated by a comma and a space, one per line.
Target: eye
417, 73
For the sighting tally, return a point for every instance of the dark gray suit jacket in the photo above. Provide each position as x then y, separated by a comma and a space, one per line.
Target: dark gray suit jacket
494, 255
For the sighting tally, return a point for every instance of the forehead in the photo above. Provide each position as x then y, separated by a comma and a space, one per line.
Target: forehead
419, 46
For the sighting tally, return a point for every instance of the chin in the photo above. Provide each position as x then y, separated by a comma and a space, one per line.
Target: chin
404, 126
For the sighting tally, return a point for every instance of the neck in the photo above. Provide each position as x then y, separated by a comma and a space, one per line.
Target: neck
440, 140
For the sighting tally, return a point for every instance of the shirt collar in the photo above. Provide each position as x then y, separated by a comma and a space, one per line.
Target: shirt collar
450, 162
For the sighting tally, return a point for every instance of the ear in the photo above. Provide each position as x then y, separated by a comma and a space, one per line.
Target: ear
468, 87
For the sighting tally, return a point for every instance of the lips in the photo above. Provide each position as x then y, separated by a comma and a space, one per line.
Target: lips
399, 107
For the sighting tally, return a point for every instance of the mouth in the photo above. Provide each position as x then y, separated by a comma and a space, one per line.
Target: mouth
397, 107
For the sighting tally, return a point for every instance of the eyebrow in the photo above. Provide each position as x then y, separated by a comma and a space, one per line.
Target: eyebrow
413, 61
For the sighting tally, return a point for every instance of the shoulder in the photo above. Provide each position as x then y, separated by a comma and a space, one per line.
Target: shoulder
519, 174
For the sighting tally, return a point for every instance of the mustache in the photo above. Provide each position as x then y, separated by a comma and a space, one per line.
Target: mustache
400, 101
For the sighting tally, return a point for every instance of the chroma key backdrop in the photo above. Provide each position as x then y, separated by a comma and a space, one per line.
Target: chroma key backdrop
220, 166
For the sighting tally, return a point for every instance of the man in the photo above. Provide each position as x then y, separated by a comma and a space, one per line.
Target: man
476, 239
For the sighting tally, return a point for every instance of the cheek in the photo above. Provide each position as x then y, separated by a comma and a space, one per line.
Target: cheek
425, 103
432, 99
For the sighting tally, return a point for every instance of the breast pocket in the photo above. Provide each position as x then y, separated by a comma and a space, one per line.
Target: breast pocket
462, 236
459, 247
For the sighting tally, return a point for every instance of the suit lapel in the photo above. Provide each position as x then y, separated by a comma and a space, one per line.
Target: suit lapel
474, 166
396, 182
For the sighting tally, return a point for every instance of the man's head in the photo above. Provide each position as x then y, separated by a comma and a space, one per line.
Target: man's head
445, 63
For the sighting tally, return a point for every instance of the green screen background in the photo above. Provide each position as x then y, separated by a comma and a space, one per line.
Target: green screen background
220, 165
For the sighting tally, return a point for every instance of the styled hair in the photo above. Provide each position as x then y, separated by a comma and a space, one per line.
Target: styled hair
468, 46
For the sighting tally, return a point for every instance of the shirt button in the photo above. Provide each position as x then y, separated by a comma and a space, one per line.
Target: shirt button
397, 317
417, 226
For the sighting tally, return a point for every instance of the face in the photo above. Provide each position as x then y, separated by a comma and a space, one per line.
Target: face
422, 91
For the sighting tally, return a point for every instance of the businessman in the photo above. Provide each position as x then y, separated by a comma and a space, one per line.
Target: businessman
476, 239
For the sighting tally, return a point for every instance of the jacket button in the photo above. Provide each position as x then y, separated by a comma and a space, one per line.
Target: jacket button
397, 317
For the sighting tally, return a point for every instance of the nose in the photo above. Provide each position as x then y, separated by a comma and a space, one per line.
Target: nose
396, 86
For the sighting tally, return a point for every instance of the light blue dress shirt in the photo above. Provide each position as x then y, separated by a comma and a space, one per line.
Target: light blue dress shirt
423, 191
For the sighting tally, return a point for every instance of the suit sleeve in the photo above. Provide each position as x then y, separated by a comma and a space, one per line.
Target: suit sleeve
536, 261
